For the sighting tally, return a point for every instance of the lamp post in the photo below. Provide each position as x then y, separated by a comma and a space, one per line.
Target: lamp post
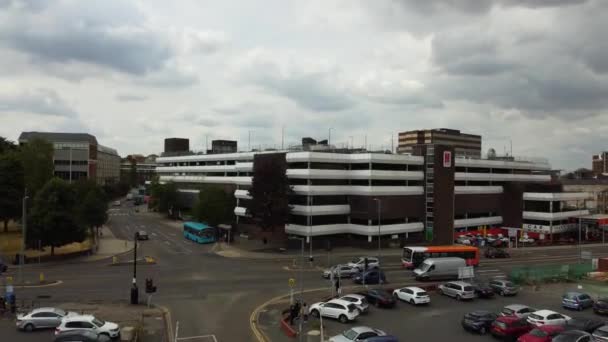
134, 289
23, 233
379, 202
329, 136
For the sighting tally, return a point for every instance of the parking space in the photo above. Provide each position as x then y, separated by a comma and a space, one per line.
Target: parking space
440, 321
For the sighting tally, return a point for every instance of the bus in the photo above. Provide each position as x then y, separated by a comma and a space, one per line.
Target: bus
413, 256
199, 232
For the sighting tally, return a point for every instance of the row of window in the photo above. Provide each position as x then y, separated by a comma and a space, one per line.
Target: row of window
67, 162
363, 182
202, 163
354, 166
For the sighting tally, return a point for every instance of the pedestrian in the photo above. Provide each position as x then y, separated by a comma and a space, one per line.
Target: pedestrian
292, 313
338, 287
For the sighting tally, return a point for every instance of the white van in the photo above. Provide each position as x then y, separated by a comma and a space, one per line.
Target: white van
439, 268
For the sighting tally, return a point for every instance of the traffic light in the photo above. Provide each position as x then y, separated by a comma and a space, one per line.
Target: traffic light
150, 288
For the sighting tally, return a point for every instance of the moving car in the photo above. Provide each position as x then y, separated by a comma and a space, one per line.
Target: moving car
81, 336
89, 323
412, 295
361, 333
387, 338
509, 327
543, 333
601, 334
601, 306
336, 308
584, 324
479, 321
439, 268
492, 253
572, 336
344, 271
547, 317
42, 318
504, 287
359, 263
359, 300
518, 310
374, 276
142, 235
457, 289
483, 290
379, 298
576, 300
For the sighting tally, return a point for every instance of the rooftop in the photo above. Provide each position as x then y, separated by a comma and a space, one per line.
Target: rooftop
58, 137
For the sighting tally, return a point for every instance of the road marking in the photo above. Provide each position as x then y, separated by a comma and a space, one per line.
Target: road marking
206, 337
483, 271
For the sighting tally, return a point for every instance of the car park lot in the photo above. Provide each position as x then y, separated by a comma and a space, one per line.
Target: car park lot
441, 319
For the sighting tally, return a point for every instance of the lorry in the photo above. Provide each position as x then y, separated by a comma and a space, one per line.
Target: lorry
439, 268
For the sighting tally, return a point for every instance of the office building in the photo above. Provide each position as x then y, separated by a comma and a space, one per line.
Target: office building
176, 147
223, 146
145, 168
80, 156
427, 195
599, 163
465, 145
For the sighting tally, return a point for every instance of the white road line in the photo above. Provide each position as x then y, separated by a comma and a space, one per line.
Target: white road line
483, 271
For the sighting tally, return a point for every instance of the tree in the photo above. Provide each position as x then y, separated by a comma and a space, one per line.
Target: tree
53, 219
163, 196
37, 160
214, 205
11, 187
93, 210
270, 192
6, 145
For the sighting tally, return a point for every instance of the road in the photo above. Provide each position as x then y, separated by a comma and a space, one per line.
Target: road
206, 293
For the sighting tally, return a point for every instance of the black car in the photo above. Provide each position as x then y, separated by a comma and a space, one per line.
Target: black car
373, 276
483, 290
379, 298
3, 267
496, 253
81, 336
478, 321
573, 336
583, 324
600, 306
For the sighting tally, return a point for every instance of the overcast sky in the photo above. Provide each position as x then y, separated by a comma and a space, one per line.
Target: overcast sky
135, 72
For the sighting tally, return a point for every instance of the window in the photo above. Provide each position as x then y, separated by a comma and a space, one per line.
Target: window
366, 335
39, 315
554, 316
73, 325
86, 325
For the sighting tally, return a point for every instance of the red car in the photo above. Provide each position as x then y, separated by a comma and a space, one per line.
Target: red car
510, 327
544, 333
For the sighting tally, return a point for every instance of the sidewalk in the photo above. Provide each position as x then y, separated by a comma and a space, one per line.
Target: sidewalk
108, 246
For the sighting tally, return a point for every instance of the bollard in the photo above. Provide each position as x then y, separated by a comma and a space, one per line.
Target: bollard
41, 277
313, 336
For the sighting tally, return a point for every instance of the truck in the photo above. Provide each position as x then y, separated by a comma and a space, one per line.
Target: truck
439, 268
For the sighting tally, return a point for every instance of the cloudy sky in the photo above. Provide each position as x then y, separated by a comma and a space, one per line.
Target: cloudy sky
134, 72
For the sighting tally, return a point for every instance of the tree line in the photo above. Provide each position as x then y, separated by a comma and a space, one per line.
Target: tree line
58, 212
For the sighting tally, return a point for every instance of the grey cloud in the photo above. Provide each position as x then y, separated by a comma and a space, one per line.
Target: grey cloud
476, 7
198, 119
39, 101
130, 98
169, 78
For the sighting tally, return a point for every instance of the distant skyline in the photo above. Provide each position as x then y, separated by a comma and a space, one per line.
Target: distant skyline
135, 72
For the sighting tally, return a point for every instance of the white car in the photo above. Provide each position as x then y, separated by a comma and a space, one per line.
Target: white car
90, 323
359, 263
413, 295
357, 334
336, 308
359, 301
518, 310
526, 239
42, 318
547, 317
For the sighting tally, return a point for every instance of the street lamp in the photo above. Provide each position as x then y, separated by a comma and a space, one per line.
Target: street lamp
23, 233
379, 202
329, 136
134, 289
301, 279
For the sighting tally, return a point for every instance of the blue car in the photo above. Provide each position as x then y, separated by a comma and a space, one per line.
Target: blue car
373, 276
576, 300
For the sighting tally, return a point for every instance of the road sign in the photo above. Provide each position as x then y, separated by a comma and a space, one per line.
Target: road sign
466, 272
585, 255
292, 282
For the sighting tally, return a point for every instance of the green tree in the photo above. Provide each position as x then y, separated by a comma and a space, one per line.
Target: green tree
6, 145
270, 192
93, 211
214, 205
11, 187
163, 196
53, 219
37, 160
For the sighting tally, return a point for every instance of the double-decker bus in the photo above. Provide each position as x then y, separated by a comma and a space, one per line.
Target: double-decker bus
414, 256
199, 232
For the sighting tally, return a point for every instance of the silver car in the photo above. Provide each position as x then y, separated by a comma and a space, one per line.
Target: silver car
344, 271
42, 318
457, 289
360, 333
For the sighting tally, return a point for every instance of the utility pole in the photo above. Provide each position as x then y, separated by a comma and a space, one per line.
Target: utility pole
134, 289
579, 240
282, 137
301, 290
70, 165
249, 141
24, 234
379, 209
329, 136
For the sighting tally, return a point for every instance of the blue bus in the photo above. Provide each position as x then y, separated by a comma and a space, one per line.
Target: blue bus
199, 232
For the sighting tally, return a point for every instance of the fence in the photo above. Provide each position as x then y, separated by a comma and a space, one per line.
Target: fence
550, 273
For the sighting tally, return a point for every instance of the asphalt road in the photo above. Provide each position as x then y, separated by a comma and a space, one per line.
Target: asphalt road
206, 293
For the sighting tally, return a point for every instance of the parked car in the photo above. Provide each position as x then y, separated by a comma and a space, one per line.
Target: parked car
359, 300
492, 253
504, 287
142, 235
361, 333
374, 276
439, 268
344, 271
359, 263
387, 338
547, 317
336, 308
478, 321
42, 318
572, 336
3, 266
576, 300
584, 324
379, 298
601, 334
483, 290
412, 295
518, 310
510, 327
89, 323
526, 239
464, 240
81, 336
600, 306
543, 333
457, 289
116, 203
